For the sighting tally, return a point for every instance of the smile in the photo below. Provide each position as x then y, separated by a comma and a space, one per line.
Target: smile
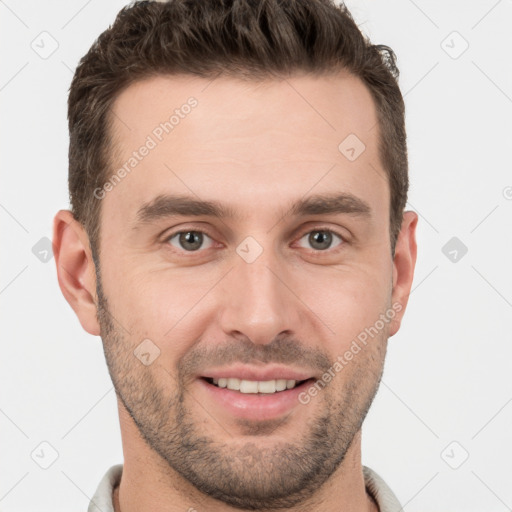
255, 386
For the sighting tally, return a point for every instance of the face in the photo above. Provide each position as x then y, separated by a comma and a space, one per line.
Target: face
246, 248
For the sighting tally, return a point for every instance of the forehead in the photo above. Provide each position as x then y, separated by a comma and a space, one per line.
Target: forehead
188, 135
324, 108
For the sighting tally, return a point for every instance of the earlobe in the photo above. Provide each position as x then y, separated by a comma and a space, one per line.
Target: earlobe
404, 263
75, 269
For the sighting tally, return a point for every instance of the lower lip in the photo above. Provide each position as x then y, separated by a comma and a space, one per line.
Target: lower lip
255, 406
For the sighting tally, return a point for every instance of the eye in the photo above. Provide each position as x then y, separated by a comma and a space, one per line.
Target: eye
189, 241
321, 239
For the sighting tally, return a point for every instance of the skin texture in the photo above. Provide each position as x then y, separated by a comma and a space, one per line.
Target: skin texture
255, 147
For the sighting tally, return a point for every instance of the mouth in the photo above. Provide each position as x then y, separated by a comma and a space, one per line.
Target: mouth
260, 387
255, 393
254, 400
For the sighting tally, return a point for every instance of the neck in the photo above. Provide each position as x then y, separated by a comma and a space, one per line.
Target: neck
148, 484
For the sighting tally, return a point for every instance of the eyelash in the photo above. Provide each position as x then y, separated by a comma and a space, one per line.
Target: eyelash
315, 251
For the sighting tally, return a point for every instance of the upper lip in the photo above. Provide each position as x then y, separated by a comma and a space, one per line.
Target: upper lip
269, 372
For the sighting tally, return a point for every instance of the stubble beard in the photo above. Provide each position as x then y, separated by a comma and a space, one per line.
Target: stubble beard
239, 472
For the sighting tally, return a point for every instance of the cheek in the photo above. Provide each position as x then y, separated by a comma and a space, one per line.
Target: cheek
175, 307
348, 302
164, 307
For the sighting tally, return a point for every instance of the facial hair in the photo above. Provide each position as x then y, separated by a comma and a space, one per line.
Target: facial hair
239, 472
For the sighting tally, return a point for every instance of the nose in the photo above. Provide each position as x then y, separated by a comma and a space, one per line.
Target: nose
260, 302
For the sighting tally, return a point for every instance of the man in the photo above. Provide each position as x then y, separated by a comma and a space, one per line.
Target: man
238, 177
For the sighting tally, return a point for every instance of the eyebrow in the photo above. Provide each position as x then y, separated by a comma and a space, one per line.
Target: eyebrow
168, 205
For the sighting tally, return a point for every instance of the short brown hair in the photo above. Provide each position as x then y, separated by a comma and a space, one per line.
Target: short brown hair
249, 39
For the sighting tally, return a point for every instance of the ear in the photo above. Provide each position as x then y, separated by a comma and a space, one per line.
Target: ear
403, 268
75, 269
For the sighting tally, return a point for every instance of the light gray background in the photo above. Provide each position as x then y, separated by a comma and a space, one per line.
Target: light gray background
446, 391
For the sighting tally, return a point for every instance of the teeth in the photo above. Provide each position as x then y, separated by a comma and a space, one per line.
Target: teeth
267, 386
248, 386
255, 386
280, 385
233, 384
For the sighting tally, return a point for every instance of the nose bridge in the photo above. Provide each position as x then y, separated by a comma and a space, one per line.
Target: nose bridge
258, 304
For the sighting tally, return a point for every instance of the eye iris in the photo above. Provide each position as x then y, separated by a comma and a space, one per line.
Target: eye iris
191, 240
322, 238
